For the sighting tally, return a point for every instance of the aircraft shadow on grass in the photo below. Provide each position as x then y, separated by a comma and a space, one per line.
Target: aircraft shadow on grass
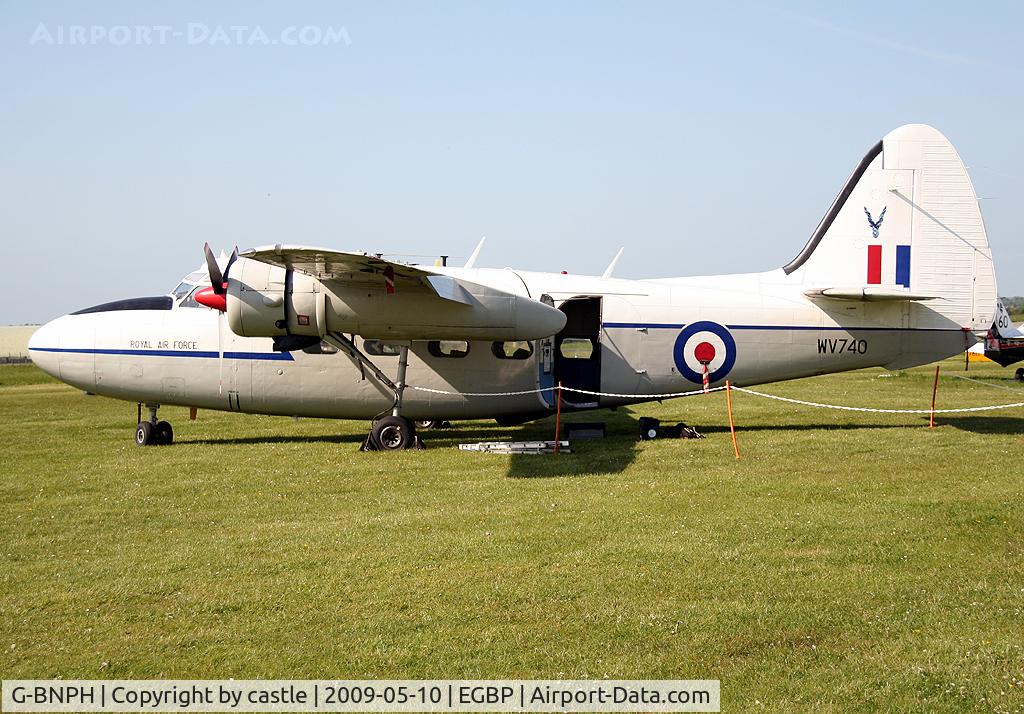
612, 454
984, 424
278, 439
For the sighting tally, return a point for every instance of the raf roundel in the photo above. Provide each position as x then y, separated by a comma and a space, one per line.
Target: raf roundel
704, 343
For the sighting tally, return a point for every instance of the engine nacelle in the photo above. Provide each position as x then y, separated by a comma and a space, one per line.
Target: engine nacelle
268, 301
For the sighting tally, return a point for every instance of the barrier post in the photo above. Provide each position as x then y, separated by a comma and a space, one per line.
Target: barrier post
935, 388
558, 414
732, 424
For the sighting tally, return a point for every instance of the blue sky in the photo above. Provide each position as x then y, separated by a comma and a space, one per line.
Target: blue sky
706, 139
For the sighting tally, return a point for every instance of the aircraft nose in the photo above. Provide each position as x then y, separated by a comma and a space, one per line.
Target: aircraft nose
42, 349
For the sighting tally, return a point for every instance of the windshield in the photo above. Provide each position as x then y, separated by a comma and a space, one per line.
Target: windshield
182, 290
182, 295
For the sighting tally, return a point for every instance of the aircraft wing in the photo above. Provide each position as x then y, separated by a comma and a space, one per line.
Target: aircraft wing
355, 268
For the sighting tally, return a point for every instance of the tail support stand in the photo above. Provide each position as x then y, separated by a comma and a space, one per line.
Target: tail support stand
935, 388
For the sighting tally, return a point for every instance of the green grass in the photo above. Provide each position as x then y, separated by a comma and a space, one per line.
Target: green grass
13, 375
849, 561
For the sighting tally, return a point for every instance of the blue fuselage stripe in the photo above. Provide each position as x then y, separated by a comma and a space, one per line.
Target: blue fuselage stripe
283, 356
644, 325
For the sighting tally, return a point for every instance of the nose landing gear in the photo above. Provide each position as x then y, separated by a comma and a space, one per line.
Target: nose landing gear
153, 432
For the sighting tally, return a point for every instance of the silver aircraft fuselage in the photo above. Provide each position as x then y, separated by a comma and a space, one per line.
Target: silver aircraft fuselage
639, 338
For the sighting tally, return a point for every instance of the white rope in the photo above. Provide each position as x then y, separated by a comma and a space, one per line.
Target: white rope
670, 395
987, 384
482, 394
877, 411
673, 395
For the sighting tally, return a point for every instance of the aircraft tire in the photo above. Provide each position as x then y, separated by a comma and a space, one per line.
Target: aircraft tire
426, 423
393, 434
163, 434
144, 433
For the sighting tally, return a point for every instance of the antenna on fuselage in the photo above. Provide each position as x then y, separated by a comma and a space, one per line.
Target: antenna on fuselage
611, 266
476, 253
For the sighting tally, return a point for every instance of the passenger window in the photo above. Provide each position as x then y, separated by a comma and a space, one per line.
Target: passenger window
512, 350
576, 348
448, 348
377, 348
323, 348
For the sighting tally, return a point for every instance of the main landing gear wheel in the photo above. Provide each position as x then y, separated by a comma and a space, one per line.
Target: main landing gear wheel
427, 424
393, 433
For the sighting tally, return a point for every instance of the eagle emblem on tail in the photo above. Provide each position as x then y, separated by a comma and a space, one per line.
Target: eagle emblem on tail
875, 225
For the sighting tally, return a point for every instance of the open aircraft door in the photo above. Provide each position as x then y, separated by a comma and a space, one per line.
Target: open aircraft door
573, 356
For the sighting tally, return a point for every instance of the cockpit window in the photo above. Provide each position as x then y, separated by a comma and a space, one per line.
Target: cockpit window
187, 287
190, 301
182, 290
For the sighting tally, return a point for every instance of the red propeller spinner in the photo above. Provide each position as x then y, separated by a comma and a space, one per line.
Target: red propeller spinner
215, 296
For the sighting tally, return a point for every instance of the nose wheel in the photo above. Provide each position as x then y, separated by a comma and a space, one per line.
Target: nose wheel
153, 432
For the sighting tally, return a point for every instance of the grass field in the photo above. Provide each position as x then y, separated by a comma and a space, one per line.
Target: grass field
849, 561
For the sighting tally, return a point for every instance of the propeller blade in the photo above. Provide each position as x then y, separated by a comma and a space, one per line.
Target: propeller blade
231, 261
216, 277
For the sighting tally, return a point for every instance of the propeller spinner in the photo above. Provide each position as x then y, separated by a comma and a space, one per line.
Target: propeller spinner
215, 296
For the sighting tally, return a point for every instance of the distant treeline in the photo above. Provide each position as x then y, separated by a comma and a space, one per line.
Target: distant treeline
1014, 305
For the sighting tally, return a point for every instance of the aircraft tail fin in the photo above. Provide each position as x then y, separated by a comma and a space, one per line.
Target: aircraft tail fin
1003, 326
908, 221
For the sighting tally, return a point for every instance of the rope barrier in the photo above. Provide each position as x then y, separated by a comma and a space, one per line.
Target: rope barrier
669, 395
987, 384
673, 395
645, 396
483, 394
877, 411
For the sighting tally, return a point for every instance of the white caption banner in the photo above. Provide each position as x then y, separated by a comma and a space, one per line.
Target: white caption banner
434, 695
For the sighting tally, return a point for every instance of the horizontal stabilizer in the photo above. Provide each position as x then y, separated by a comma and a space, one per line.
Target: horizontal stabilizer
868, 294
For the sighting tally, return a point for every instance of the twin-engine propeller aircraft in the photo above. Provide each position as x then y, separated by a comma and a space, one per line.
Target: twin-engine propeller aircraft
898, 273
